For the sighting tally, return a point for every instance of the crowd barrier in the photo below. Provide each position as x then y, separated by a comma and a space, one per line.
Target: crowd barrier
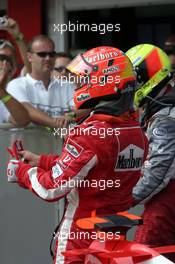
26, 221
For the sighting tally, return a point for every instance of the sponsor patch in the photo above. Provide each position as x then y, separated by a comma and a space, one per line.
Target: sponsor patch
73, 148
147, 164
56, 171
160, 132
130, 159
137, 60
83, 97
65, 161
111, 69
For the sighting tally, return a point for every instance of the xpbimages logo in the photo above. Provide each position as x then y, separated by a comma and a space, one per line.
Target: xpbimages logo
101, 185
100, 132
101, 80
85, 27
85, 235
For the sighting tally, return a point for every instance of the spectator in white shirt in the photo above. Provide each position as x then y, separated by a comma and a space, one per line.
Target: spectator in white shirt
45, 99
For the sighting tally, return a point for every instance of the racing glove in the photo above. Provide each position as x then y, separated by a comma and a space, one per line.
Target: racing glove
16, 147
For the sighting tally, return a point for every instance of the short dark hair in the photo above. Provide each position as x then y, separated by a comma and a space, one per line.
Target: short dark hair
39, 38
63, 54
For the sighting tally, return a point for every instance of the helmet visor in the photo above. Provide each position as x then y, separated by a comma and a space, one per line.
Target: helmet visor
80, 66
80, 70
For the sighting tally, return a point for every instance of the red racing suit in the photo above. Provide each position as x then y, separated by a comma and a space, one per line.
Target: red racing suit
100, 164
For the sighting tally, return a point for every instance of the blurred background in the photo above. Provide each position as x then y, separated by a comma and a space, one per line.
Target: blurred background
141, 21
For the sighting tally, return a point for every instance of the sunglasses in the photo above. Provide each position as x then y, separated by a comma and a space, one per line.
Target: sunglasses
44, 54
60, 69
4, 43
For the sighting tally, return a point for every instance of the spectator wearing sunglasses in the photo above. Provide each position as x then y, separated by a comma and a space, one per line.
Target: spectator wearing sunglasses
44, 97
62, 59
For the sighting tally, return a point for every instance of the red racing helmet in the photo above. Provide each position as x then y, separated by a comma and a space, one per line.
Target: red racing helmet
102, 73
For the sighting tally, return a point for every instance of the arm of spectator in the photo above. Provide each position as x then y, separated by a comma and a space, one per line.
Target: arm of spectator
13, 29
17, 88
42, 118
39, 117
78, 114
19, 115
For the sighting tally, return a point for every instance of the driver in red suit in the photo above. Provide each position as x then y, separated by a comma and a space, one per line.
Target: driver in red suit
101, 158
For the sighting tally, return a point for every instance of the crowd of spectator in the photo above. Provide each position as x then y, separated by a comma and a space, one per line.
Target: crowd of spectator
37, 95
42, 92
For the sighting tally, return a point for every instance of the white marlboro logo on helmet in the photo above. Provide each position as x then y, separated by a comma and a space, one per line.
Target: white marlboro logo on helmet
131, 158
102, 56
73, 148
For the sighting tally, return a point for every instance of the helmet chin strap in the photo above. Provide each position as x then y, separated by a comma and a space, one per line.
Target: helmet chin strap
160, 89
158, 102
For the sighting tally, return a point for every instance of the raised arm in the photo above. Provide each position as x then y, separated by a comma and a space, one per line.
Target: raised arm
13, 28
19, 115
